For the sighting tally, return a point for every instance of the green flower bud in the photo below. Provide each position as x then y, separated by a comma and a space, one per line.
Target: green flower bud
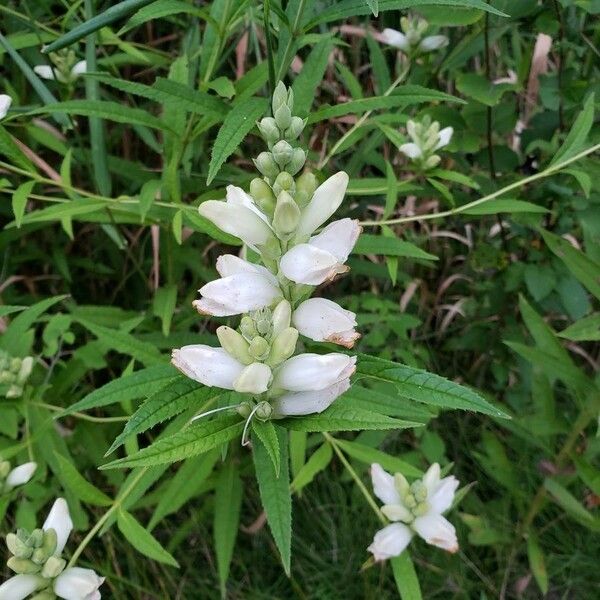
259, 348
263, 411
269, 130
284, 181
419, 491
234, 344
287, 216
306, 184
49, 542
25, 370
14, 391
54, 567
15, 364
283, 346
262, 193
421, 509
409, 501
245, 408
432, 161
45, 595
295, 128
22, 566
282, 153
265, 163
7, 377
18, 547
262, 321
282, 316
39, 556
296, 161
4, 469
404, 24
36, 538
248, 328
280, 97
283, 117
401, 484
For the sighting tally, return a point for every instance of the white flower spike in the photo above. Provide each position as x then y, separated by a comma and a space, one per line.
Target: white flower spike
5, 102
54, 74
410, 40
415, 508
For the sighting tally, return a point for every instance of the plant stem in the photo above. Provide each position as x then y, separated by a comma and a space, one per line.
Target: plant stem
82, 416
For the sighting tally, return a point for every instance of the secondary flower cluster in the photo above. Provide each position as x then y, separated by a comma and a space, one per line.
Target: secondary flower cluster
66, 67
11, 478
14, 373
411, 39
36, 559
426, 138
278, 220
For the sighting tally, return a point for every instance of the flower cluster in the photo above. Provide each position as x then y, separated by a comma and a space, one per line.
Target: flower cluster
66, 67
278, 220
11, 478
14, 373
411, 39
36, 559
413, 508
426, 138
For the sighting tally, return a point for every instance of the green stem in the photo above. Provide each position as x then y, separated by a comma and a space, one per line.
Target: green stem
82, 416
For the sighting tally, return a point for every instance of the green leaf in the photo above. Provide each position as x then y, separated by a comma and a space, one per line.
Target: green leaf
165, 301
537, 564
481, 89
405, 577
313, 466
584, 330
504, 205
425, 387
567, 501
228, 502
78, 485
266, 432
578, 134
142, 540
148, 194
19, 200
137, 385
341, 418
377, 244
194, 440
236, 126
10, 150
112, 14
64, 210
275, 495
374, 6
368, 455
159, 9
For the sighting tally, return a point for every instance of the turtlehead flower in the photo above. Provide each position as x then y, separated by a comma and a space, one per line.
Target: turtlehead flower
325, 321
14, 373
306, 403
410, 40
415, 508
426, 138
62, 76
18, 476
323, 257
40, 567
5, 102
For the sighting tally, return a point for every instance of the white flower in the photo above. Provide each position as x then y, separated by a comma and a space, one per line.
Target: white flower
21, 474
306, 403
238, 216
53, 74
243, 287
20, 586
323, 257
214, 367
313, 372
395, 38
433, 42
411, 150
59, 519
324, 202
445, 136
419, 507
78, 584
325, 321
5, 102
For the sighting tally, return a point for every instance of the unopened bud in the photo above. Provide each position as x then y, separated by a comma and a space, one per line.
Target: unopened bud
295, 129
280, 97
54, 567
282, 154
25, 370
283, 117
283, 346
404, 24
244, 409
306, 184
263, 411
419, 491
262, 193
297, 161
432, 161
259, 348
401, 484
4, 469
234, 344
15, 364
283, 181
282, 316
50, 541
7, 377
22, 566
421, 509
247, 327
36, 538
269, 130
14, 391
17, 546
45, 595
254, 379
287, 215
265, 163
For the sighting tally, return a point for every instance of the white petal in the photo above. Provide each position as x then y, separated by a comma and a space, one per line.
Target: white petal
390, 541
254, 379
228, 264
309, 265
395, 38
433, 42
325, 321
237, 220
79, 69
59, 519
238, 197
5, 102
211, 366
443, 496
338, 238
236, 294
76, 583
311, 372
46, 72
383, 485
432, 478
21, 474
437, 531
445, 137
307, 403
411, 150
325, 201
19, 587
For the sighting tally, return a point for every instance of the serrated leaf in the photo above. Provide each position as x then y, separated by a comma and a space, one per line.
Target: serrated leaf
194, 440
142, 540
265, 430
275, 495
426, 387
317, 462
19, 200
239, 121
78, 485
377, 244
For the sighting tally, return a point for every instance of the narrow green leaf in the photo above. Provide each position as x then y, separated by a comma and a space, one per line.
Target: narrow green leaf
159, 9
19, 200
537, 564
79, 486
567, 501
317, 462
504, 205
11, 150
377, 244
165, 301
405, 577
368, 455
584, 330
148, 194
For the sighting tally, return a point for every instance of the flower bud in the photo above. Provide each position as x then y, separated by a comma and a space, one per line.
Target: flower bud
21, 475
269, 130
234, 344
17, 546
263, 411
404, 24
14, 391
259, 348
54, 567
432, 161
282, 153
282, 316
261, 191
15, 364
287, 215
45, 595
36, 538
254, 379
25, 369
296, 161
4, 469
248, 328
283, 346
22, 566
244, 409
295, 129
283, 117
265, 163
401, 484
7, 377
284, 182
280, 97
